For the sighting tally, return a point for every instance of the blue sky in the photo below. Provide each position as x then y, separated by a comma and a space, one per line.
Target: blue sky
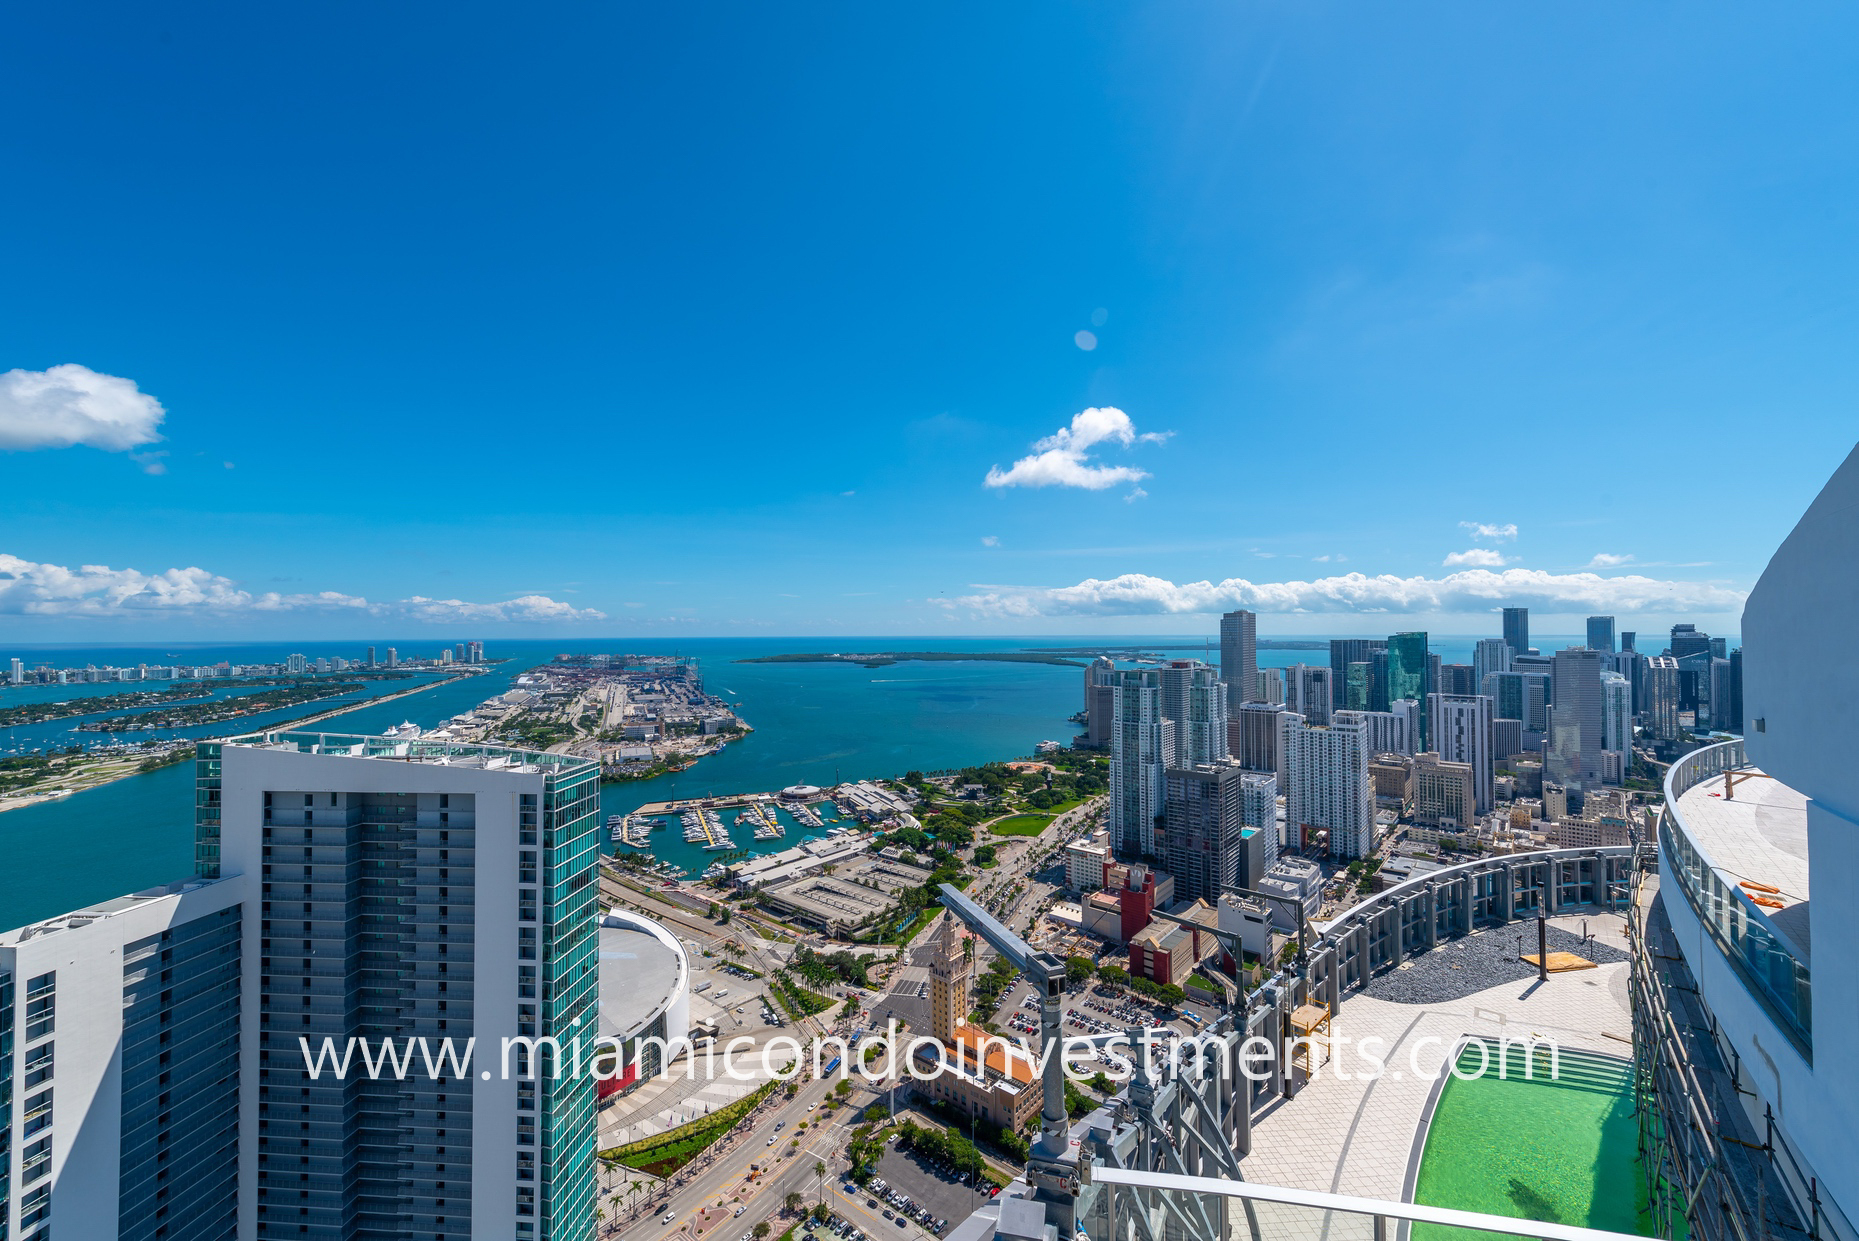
622, 319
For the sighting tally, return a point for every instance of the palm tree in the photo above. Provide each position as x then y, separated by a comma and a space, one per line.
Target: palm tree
792, 1201
819, 1171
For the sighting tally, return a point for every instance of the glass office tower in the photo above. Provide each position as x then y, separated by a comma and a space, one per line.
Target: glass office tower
1407, 673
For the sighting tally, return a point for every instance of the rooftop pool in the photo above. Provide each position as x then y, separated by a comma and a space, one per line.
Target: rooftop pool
1515, 1141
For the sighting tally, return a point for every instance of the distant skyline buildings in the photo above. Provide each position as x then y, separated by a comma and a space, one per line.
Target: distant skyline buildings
1460, 728
1407, 672
1345, 653
1327, 784
159, 664
1239, 656
1307, 691
1488, 656
1517, 630
1194, 704
1575, 723
1140, 745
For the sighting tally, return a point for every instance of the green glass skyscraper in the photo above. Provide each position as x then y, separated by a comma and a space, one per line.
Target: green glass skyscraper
1407, 673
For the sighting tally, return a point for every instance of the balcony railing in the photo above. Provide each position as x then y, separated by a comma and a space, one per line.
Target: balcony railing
1118, 1203
1767, 964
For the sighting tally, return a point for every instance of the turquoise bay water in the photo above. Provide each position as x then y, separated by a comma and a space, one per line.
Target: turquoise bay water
814, 724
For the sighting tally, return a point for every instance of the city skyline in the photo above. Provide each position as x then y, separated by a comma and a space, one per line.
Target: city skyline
1001, 359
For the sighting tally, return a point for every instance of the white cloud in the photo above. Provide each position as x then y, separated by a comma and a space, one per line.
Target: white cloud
1136, 493
990, 540
1471, 590
1609, 560
523, 608
28, 588
1062, 458
1086, 341
67, 405
1479, 557
1486, 530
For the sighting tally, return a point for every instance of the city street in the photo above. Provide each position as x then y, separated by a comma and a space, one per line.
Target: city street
703, 1204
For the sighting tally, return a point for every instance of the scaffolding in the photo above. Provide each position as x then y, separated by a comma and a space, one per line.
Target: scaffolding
1714, 1171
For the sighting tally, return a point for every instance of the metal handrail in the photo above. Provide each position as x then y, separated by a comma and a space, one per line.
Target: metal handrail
1789, 1009
1318, 1200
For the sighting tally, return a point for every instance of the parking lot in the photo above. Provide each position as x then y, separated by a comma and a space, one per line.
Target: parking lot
837, 1229
1095, 1011
925, 1185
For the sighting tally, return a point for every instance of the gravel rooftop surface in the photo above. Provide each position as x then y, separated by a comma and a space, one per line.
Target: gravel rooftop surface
1461, 967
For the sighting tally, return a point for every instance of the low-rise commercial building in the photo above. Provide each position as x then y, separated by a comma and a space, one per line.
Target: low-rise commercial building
1085, 859
980, 1074
1393, 776
1130, 896
1167, 952
1297, 880
1249, 919
1444, 793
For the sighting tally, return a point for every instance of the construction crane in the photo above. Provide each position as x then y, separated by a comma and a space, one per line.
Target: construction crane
1051, 1168
1188, 1115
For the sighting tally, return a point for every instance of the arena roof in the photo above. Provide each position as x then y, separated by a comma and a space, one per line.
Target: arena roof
639, 979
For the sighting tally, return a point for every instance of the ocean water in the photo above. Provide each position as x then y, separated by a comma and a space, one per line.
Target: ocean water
814, 724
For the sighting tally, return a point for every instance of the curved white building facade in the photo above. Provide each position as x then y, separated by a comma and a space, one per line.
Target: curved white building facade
1759, 856
645, 990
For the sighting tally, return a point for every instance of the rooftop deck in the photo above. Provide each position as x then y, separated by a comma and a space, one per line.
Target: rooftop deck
407, 749
639, 978
1754, 832
102, 909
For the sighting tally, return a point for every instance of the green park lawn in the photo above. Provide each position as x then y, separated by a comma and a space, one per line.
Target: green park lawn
1021, 825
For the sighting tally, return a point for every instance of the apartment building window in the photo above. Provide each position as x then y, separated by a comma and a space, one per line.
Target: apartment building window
39, 1065
526, 981
41, 1005
35, 1206
526, 943
526, 866
35, 1160
38, 1113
